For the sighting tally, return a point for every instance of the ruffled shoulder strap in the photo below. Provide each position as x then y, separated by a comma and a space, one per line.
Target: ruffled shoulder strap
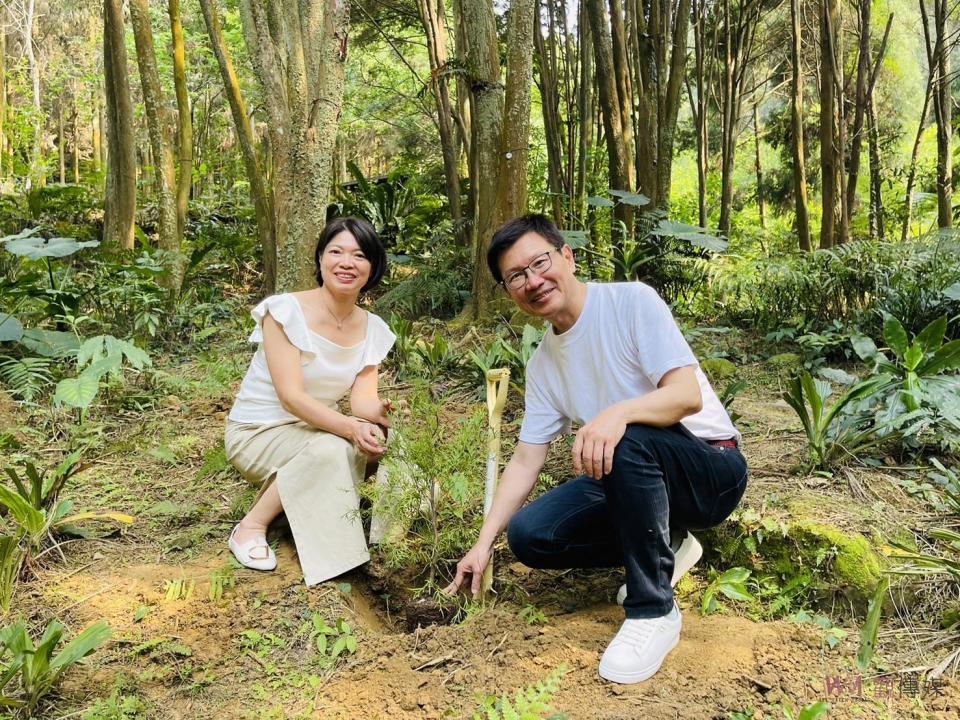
286, 311
378, 342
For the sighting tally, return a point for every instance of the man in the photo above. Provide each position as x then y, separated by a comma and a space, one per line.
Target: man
656, 449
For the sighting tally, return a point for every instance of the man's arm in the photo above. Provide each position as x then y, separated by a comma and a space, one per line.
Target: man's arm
518, 479
677, 396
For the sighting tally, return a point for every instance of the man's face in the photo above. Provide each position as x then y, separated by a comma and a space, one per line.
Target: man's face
545, 294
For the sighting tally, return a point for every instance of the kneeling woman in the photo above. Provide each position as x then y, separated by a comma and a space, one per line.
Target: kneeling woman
285, 433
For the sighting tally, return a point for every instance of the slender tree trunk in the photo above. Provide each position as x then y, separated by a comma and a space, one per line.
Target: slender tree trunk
96, 131
120, 194
860, 103
938, 55
877, 229
912, 167
36, 175
618, 150
799, 170
299, 52
3, 92
433, 19
184, 117
549, 104
700, 108
829, 165
157, 129
585, 111
758, 166
61, 144
259, 193
75, 144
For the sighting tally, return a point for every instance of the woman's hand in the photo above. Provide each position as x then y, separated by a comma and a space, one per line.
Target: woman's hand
383, 417
470, 569
367, 437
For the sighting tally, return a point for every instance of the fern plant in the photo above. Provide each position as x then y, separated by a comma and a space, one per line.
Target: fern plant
98, 357
530, 703
26, 377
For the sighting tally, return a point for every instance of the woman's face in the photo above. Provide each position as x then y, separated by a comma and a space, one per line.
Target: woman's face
343, 266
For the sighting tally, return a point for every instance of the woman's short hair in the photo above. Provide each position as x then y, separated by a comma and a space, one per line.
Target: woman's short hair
367, 239
504, 238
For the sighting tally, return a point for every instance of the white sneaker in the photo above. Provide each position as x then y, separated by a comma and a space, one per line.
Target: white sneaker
640, 646
684, 558
254, 554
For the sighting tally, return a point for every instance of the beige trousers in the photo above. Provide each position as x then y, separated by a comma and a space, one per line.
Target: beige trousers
317, 474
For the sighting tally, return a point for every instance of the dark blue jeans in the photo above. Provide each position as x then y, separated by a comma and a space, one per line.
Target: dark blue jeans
663, 479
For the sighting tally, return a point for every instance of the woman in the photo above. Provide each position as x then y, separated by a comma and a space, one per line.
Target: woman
285, 432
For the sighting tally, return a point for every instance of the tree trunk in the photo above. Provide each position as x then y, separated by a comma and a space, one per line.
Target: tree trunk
860, 103
433, 19
829, 165
758, 166
120, 194
912, 167
799, 170
939, 47
299, 52
184, 117
700, 107
617, 137
877, 230
549, 104
75, 144
36, 175
3, 92
96, 131
169, 238
585, 111
61, 144
501, 123
259, 193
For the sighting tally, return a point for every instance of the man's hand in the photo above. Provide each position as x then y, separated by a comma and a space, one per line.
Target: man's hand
472, 567
596, 441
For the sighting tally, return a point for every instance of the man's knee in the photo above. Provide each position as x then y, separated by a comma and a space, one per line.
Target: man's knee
524, 539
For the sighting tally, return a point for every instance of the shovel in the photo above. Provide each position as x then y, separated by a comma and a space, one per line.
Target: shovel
497, 383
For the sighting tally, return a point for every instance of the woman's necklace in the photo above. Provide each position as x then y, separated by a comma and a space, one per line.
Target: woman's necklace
337, 320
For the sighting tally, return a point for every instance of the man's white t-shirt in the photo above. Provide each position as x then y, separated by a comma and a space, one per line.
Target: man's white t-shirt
620, 347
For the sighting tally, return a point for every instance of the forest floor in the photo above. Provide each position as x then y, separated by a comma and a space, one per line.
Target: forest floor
195, 637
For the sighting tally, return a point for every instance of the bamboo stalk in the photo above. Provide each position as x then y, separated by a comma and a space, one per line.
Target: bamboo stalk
498, 381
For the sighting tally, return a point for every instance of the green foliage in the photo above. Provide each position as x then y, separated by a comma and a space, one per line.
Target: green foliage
832, 635
532, 615
36, 664
837, 433
730, 583
435, 470
530, 703
27, 377
871, 626
332, 642
98, 358
433, 286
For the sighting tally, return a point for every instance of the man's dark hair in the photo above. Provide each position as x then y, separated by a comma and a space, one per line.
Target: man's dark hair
367, 239
504, 238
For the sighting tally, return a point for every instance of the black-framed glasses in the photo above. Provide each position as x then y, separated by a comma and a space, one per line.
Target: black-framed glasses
538, 266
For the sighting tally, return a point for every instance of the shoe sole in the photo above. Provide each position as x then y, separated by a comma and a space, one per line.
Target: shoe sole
641, 675
687, 555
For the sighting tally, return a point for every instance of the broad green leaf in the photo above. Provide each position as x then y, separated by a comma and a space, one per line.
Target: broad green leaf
871, 627
35, 248
953, 292
841, 377
351, 644
946, 359
339, 646
575, 238
931, 337
11, 330
29, 518
913, 356
815, 711
77, 392
50, 343
81, 646
735, 591
597, 201
895, 335
864, 347
630, 198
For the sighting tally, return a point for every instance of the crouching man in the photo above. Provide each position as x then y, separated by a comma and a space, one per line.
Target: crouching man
656, 452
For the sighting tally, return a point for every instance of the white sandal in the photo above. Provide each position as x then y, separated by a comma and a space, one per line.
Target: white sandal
254, 554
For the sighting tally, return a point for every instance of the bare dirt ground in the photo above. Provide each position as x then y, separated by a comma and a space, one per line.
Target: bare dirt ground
195, 639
